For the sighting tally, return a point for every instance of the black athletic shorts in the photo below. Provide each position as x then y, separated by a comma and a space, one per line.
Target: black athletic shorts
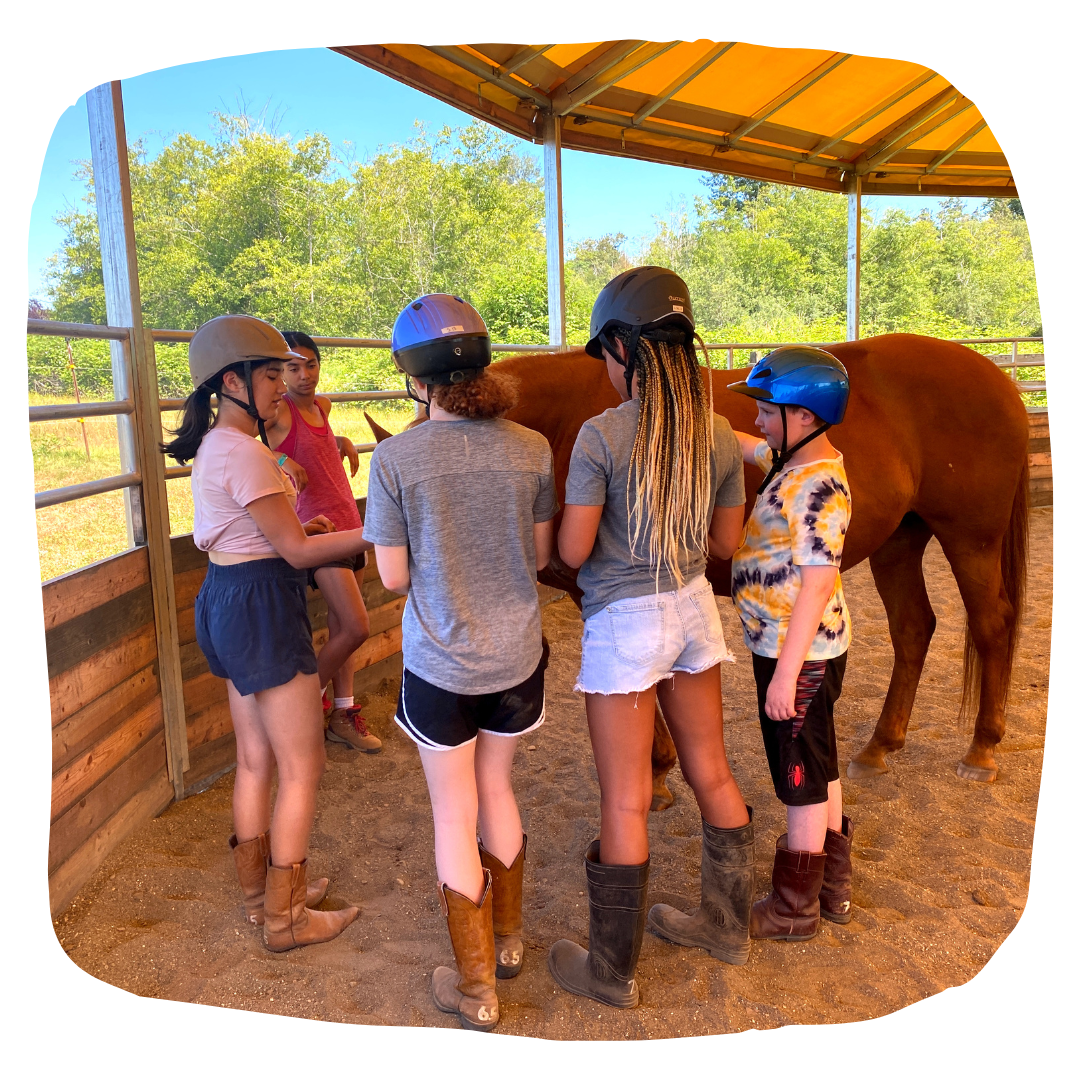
442, 720
802, 751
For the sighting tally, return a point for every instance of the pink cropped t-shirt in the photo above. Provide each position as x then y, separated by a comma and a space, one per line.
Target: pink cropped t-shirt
230, 471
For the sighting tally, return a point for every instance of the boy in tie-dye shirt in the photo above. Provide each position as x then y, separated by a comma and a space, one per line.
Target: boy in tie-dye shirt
785, 584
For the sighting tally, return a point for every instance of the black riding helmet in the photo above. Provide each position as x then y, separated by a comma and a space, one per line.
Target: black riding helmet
647, 300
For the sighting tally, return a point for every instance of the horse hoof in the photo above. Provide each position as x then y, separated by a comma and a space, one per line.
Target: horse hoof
860, 770
661, 799
976, 772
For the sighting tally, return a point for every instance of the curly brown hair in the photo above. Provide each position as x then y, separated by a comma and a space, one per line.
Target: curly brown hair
491, 394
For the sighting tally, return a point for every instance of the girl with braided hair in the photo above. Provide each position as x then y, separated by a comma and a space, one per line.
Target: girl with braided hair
654, 486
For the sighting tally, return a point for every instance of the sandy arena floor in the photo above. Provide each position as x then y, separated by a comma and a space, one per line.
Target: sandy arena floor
941, 865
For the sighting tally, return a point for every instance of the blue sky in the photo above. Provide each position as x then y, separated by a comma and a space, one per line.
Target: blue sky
315, 89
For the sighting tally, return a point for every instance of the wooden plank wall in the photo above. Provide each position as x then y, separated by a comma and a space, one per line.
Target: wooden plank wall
1041, 473
108, 741
211, 744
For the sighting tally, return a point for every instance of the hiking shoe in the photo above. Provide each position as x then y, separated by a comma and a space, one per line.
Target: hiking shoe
347, 726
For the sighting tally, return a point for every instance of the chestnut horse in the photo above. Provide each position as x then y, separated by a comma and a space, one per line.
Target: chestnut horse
934, 444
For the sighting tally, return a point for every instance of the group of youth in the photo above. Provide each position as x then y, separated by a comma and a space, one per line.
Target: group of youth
460, 512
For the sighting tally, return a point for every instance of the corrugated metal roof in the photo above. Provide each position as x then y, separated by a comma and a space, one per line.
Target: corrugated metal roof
793, 116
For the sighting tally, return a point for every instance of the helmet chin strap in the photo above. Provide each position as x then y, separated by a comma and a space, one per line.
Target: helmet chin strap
248, 405
418, 400
782, 456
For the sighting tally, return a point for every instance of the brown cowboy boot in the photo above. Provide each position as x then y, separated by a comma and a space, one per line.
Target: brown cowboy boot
790, 912
469, 991
288, 922
836, 887
506, 910
349, 727
251, 858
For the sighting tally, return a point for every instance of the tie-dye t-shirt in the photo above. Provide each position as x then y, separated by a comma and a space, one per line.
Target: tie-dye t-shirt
800, 519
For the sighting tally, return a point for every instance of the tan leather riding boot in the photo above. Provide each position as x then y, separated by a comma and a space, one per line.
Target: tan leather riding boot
506, 910
791, 911
251, 858
288, 922
470, 990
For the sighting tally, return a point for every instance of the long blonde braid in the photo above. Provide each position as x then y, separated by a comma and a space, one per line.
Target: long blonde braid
670, 461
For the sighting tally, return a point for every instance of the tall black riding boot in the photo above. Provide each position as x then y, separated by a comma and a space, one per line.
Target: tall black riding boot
721, 923
605, 972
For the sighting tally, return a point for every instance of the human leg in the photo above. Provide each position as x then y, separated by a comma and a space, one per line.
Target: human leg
468, 989
502, 847
347, 620
720, 923
617, 865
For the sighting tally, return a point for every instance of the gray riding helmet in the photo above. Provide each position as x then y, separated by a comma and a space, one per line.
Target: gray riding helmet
232, 339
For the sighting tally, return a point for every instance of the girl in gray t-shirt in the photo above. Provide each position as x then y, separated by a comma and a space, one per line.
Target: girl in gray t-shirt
653, 486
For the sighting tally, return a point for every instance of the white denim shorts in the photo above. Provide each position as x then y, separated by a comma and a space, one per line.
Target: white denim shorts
635, 643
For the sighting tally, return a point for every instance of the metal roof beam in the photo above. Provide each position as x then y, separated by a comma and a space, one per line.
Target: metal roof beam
906, 124
688, 76
788, 95
900, 143
827, 144
522, 57
962, 141
568, 96
475, 66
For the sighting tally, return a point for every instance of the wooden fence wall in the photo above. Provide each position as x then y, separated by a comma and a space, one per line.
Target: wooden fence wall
1041, 473
108, 739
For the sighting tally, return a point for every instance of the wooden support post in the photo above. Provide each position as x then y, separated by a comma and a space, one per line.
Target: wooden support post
556, 281
854, 258
135, 376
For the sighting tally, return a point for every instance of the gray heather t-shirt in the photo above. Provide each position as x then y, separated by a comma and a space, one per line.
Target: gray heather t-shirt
599, 469
464, 495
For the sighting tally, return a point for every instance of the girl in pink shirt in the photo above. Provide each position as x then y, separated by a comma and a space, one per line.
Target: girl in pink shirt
301, 435
251, 619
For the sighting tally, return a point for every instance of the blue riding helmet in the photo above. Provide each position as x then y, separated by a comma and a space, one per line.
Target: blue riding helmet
440, 339
799, 375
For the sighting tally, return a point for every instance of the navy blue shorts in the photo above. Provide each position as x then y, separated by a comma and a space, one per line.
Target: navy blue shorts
251, 622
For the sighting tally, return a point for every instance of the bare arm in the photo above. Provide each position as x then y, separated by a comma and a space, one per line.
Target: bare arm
748, 444
278, 522
814, 592
725, 531
393, 563
543, 535
577, 534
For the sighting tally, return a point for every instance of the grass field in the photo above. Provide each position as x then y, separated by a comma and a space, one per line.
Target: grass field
77, 533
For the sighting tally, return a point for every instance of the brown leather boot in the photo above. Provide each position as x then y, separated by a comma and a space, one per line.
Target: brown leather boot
470, 990
251, 858
288, 921
790, 912
349, 727
506, 910
836, 887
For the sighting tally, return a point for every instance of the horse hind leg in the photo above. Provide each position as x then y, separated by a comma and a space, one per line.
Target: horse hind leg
663, 760
898, 575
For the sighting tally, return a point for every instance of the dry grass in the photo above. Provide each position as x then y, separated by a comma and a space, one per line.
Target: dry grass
74, 534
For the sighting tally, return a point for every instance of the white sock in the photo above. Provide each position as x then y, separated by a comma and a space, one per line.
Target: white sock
344, 702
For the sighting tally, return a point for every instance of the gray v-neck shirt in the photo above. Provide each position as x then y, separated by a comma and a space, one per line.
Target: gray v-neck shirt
463, 495
599, 470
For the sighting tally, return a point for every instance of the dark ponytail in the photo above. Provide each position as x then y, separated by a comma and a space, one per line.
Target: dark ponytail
197, 420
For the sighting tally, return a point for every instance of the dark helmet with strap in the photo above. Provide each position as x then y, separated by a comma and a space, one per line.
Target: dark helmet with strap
802, 376
648, 301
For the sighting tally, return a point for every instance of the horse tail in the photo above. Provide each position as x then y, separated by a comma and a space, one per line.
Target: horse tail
1014, 566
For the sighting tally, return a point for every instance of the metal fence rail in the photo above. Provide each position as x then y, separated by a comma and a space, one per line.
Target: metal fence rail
1011, 360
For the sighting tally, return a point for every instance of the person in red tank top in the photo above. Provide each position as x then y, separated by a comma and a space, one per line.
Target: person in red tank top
314, 457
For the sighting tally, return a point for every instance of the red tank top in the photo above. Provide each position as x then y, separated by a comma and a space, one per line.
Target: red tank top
328, 490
